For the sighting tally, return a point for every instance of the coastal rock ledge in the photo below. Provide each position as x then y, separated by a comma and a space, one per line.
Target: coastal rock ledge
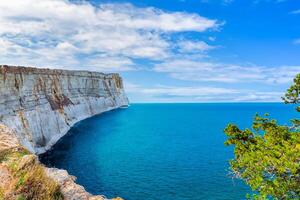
37, 108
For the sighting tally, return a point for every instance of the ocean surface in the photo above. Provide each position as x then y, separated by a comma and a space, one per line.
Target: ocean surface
159, 151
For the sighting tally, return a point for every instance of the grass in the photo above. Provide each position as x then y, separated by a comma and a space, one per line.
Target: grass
30, 181
36, 185
1, 194
16, 153
21, 197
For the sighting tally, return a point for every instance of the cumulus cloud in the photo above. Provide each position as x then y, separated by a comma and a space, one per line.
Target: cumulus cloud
108, 36
218, 72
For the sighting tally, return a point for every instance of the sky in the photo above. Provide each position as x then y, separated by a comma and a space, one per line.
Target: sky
165, 50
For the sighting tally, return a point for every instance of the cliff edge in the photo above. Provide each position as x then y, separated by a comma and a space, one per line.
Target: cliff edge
41, 105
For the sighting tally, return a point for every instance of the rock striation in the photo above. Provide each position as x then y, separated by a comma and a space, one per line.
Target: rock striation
41, 105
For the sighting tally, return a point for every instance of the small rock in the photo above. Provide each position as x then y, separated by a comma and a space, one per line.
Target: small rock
69, 189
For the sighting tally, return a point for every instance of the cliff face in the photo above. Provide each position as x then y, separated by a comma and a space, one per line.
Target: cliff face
41, 105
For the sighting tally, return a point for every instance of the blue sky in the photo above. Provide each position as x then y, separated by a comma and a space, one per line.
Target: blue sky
166, 50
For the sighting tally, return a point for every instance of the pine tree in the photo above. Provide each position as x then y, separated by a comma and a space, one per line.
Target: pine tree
267, 156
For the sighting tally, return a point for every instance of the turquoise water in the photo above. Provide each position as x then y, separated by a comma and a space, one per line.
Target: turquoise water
159, 151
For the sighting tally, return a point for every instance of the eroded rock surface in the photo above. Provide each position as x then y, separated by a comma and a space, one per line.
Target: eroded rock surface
69, 188
8, 139
41, 105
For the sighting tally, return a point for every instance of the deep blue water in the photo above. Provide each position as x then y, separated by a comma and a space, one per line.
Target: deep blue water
159, 151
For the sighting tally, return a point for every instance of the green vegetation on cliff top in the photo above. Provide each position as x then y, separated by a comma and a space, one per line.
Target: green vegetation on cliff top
23, 178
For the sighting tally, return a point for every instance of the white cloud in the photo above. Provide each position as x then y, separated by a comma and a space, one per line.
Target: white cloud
217, 72
187, 46
108, 64
163, 93
150, 18
61, 33
187, 91
212, 38
258, 97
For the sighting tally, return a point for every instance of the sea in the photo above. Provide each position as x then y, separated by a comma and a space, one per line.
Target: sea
160, 151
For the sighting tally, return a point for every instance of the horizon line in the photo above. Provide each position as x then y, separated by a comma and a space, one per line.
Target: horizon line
206, 102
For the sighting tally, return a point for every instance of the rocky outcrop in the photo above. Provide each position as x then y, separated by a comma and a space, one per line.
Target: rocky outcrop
41, 105
69, 188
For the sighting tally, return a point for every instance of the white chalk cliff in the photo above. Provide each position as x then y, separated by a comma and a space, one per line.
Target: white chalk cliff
41, 105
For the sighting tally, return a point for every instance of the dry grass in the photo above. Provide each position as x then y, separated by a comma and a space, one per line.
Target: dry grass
35, 185
30, 181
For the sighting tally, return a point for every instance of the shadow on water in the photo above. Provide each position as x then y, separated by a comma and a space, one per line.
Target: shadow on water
65, 143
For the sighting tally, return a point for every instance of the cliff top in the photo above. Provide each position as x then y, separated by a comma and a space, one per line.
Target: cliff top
34, 70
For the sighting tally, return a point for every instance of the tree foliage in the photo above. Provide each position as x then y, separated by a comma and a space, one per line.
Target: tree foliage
267, 156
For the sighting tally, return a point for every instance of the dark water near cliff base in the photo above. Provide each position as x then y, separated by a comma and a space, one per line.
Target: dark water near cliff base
159, 151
